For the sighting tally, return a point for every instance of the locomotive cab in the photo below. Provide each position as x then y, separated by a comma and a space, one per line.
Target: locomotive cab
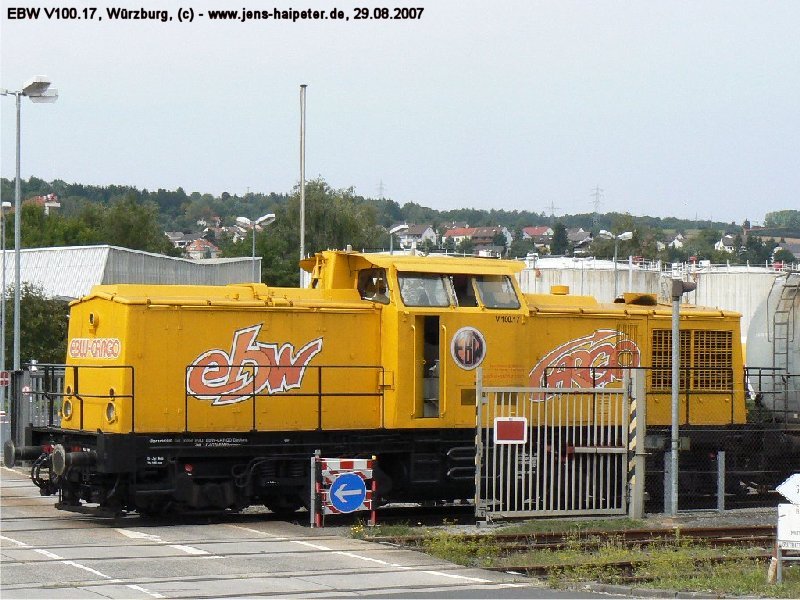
436, 313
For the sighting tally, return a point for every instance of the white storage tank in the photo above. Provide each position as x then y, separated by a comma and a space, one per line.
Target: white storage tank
773, 350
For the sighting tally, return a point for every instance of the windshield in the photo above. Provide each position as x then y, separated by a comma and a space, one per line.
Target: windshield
428, 289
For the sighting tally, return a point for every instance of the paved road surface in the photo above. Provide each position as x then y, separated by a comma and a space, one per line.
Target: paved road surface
53, 554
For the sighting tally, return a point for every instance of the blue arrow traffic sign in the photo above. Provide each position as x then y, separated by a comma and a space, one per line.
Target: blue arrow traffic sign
347, 492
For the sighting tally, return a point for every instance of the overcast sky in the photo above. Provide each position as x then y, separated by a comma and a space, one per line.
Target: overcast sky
688, 109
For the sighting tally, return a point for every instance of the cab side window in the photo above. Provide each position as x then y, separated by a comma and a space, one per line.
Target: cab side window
496, 291
464, 290
372, 285
423, 289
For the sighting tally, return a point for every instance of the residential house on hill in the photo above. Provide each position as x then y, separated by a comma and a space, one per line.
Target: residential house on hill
454, 225
202, 248
48, 201
458, 234
541, 236
579, 240
530, 233
483, 238
418, 234
677, 241
182, 240
725, 244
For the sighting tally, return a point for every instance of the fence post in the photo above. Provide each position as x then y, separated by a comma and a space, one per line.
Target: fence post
313, 509
637, 429
668, 483
721, 481
478, 439
20, 407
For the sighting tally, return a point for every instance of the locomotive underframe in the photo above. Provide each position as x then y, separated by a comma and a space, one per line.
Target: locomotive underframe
155, 473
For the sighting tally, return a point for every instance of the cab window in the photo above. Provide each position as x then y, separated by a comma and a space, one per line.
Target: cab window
423, 289
372, 285
464, 290
496, 291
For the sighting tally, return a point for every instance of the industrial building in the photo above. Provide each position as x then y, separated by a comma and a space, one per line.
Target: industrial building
72, 271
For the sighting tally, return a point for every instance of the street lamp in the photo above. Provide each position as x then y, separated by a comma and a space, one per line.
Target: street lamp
392, 231
3, 209
626, 235
262, 221
678, 289
38, 90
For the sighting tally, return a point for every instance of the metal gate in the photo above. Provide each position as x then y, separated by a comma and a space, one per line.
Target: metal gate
551, 451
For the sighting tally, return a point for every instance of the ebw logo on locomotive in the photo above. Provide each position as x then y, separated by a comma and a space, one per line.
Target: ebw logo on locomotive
606, 351
250, 367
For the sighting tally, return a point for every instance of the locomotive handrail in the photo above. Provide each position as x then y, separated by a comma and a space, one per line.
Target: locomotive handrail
253, 393
52, 373
687, 375
776, 384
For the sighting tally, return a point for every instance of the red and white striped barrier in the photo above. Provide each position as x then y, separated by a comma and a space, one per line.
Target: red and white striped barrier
325, 472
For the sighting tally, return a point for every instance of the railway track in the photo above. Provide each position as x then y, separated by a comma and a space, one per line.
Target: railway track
517, 551
747, 535
623, 569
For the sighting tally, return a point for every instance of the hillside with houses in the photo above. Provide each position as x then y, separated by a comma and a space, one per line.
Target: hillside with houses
202, 226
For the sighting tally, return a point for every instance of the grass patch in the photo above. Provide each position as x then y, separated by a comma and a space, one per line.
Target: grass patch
362, 531
462, 550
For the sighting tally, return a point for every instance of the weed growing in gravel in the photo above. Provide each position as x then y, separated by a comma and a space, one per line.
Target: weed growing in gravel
391, 530
461, 550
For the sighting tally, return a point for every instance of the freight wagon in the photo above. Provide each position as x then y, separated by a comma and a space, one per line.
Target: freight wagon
213, 398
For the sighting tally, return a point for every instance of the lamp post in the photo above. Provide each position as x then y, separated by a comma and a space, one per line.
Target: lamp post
392, 232
263, 220
3, 209
679, 288
38, 90
626, 235
302, 176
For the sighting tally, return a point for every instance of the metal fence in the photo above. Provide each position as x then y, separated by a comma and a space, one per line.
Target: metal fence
551, 451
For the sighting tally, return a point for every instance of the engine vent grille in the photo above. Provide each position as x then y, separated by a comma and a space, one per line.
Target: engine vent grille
706, 360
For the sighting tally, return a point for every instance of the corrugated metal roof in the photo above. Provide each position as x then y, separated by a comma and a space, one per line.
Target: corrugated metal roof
71, 271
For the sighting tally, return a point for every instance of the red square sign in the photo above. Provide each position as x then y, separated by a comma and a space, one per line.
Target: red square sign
510, 430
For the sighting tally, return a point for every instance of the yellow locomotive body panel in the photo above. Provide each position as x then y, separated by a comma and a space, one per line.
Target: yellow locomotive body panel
200, 353
377, 342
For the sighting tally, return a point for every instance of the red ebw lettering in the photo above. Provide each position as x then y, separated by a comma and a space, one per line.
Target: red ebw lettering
249, 368
602, 350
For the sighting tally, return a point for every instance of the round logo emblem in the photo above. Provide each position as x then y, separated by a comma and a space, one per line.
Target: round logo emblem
468, 348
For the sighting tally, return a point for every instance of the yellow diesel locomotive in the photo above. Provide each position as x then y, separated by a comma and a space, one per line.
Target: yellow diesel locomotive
213, 398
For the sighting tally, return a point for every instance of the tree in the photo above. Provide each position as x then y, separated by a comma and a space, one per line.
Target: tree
499, 239
334, 219
520, 247
132, 224
784, 256
560, 243
43, 325
783, 218
465, 246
